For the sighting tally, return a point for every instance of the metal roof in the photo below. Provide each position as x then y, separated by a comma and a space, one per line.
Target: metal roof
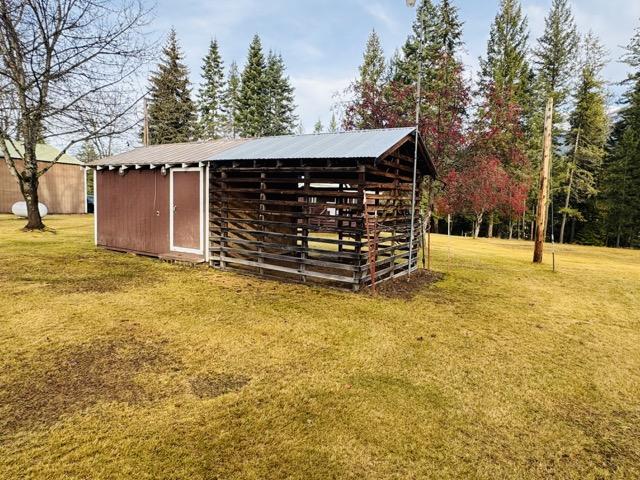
44, 153
171, 153
352, 144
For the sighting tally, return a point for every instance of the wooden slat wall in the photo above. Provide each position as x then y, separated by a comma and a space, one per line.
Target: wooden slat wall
304, 221
61, 189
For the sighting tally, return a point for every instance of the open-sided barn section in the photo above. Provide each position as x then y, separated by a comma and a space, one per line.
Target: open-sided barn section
62, 189
328, 208
324, 208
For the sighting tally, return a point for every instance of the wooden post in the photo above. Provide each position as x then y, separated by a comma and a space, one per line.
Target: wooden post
543, 194
145, 128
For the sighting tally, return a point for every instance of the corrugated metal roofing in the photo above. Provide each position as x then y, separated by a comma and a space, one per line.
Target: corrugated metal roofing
171, 153
352, 144
44, 153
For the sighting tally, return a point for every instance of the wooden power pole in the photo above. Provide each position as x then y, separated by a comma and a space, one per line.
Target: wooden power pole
543, 194
145, 127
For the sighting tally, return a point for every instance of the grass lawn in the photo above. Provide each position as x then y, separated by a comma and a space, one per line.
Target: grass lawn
115, 366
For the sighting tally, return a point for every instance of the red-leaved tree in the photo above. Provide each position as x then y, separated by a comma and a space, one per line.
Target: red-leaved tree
474, 190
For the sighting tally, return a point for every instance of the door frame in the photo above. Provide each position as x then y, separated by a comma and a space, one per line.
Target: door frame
172, 247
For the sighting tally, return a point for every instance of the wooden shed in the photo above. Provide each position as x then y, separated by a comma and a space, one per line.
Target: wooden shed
323, 208
63, 189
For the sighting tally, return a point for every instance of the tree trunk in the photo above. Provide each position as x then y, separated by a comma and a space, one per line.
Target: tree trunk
490, 229
568, 197
29, 188
476, 226
510, 229
572, 236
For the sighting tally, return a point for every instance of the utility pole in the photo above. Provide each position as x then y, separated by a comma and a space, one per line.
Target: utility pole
543, 193
410, 4
145, 127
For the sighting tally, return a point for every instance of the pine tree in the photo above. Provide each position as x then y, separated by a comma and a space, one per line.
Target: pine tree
171, 110
369, 107
318, 127
587, 137
423, 37
281, 119
230, 100
621, 176
211, 95
505, 68
333, 124
556, 51
251, 119
373, 68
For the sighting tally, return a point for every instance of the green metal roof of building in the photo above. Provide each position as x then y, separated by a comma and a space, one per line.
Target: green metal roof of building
44, 153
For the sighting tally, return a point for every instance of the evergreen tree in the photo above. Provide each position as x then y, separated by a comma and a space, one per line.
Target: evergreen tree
621, 177
505, 68
333, 124
369, 107
422, 38
230, 100
251, 118
373, 68
171, 110
211, 95
556, 50
281, 119
318, 127
587, 137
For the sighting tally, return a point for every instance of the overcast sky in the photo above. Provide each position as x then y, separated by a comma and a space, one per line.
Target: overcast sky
322, 40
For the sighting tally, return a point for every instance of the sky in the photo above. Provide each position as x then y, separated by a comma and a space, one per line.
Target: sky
322, 41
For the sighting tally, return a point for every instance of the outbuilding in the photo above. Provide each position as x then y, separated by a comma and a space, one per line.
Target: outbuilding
63, 189
330, 208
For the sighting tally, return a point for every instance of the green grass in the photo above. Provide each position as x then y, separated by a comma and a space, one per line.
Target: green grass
116, 366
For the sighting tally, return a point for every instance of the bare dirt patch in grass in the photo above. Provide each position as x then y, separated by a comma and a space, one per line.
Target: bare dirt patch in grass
58, 381
405, 288
214, 385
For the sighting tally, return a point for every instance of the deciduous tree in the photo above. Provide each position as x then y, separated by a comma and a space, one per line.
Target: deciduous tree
67, 71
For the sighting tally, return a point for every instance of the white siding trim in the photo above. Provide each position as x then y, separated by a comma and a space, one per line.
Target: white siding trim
205, 224
85, 173
95, 207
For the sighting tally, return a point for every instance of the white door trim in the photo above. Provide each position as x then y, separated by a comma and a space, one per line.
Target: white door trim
205, 223
95, 206
172, 247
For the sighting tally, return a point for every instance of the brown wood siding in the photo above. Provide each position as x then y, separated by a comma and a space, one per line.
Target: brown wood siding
61, 188
133, 210
186, 214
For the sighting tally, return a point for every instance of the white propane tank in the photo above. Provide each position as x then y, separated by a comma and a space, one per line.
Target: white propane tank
19, 209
